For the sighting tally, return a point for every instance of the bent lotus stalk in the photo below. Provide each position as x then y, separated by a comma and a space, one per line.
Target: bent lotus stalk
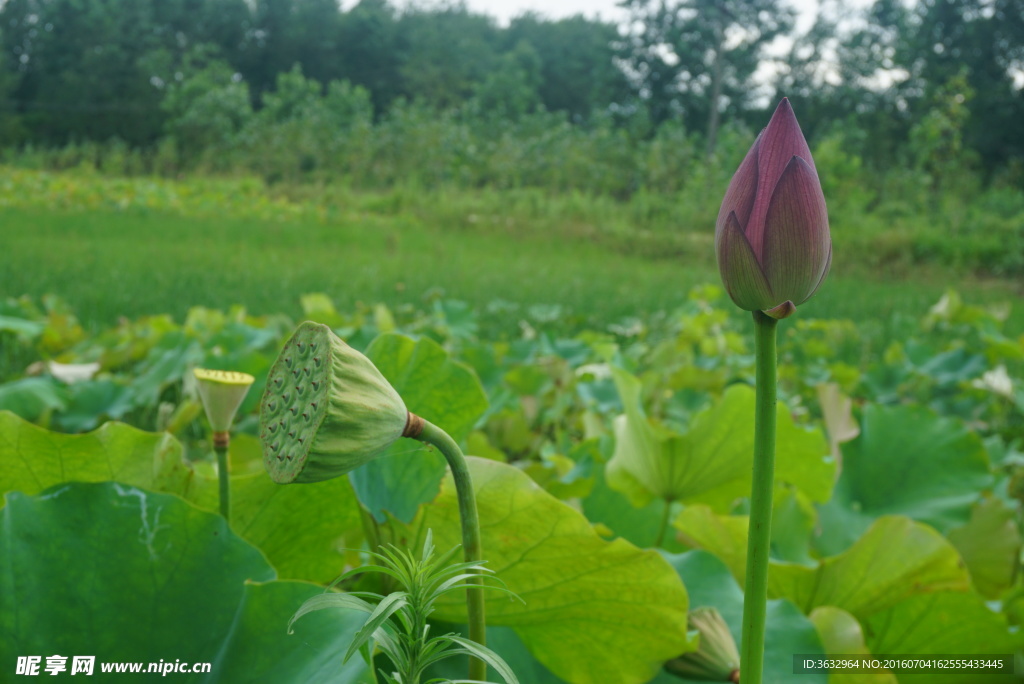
327, 410
774, 250
427, 432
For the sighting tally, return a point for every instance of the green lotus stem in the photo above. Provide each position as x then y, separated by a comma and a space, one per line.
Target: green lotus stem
663, 527
222, 475
471, 546
755, 593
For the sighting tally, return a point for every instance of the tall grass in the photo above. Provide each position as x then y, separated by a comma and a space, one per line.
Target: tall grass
114, 247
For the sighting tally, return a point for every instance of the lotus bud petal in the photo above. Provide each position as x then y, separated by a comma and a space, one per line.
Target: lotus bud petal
772, 238
222, 392
716, 658
327, 409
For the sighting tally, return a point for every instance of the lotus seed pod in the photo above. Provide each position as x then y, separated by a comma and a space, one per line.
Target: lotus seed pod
716, 658
327, 409
222, 392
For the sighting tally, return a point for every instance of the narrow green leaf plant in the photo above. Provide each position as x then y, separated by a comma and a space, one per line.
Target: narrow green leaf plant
397, 623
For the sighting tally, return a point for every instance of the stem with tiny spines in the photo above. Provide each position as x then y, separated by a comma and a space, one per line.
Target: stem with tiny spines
471, 546
755, 593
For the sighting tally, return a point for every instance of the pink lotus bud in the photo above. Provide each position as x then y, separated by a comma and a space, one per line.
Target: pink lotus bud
771, 237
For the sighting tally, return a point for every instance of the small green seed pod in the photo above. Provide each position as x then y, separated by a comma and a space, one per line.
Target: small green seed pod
326, 410
222, 393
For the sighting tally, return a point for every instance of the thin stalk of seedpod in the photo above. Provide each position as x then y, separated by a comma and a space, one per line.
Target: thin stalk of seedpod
222, 392
427, 432
755, 592
221, 442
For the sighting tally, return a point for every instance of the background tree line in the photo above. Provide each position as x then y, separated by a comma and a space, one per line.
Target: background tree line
297, 88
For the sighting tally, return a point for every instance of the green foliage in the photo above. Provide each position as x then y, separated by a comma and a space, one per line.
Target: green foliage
281, 520
945, 620
688, 57
510, 90
990, 544
788, 631
97, 71
398, 622
936, 140
206, 111
161, 580
842, 634
549, 554
168, 87
436, 388
218, 241
579, 76
923, 526
941, 468
710, 463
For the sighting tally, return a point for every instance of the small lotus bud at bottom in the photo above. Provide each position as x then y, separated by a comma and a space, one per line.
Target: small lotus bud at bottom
716, 658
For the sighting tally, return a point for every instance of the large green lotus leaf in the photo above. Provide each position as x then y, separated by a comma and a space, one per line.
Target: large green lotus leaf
640, 526
907, 461
723, 535
990, 545
260, 649
25, 329
595, 611
842, 635
726, 535
711, 462
299, 528
166, 363
30, 398
109, 570
639, 459
946, 623
32, 459
91, 401
303, 529
895, 559
435, 387
793, 522
837, 414
787, 631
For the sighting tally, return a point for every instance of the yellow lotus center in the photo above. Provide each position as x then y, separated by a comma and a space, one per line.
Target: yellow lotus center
223, 377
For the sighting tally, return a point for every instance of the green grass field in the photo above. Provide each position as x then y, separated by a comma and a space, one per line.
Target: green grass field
111, 250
